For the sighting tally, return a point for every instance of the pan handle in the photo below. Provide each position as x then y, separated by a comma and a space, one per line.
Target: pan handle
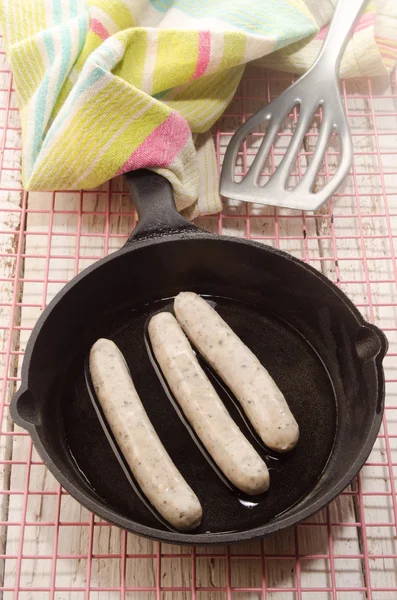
154, 201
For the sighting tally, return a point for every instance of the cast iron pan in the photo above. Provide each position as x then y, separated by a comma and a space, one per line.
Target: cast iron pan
325, 358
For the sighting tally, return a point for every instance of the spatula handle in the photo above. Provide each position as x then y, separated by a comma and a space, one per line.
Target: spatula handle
346, 13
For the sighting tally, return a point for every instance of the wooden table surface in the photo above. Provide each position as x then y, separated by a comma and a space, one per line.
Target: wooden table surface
54, 548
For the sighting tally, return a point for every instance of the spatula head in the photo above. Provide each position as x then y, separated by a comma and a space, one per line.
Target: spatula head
312, 91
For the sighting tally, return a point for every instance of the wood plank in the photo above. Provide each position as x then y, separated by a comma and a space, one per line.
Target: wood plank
364, 203
293, 234
10, 220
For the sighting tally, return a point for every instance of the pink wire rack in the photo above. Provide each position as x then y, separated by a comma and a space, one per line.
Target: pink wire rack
51, 547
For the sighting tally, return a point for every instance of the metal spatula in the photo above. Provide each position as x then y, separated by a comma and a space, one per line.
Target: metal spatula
319, 87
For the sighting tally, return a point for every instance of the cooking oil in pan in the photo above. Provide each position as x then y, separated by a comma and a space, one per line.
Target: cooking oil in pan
293, 364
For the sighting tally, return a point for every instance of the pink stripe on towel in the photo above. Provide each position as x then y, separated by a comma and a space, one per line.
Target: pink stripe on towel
99, 29
367, 20
161, 146
204, 53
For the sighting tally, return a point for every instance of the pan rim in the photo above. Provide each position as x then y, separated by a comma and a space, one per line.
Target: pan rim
205, 539
281, 522
175, 237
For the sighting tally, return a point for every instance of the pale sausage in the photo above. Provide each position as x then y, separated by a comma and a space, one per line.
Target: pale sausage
258, 394
136, 438
205, 411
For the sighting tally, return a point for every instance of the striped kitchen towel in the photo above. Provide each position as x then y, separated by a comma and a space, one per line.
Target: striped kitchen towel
106, 86
371, 51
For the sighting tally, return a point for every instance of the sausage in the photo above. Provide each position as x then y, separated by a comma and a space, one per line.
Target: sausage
146, 456
205, 411
258, 394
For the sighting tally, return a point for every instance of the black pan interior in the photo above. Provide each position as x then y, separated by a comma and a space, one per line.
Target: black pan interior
292, 362
307, 335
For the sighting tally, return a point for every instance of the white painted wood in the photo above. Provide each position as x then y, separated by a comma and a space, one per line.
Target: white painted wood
10, 204
211, 572
381, 572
